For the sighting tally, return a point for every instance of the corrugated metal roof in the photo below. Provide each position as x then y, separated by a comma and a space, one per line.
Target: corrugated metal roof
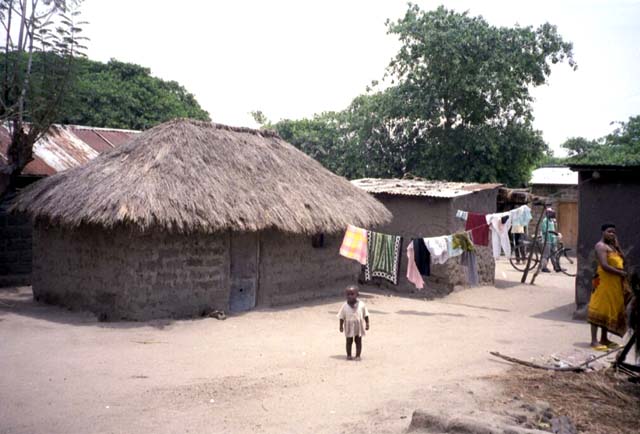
67, 146
554, 176
419, 187
92, 139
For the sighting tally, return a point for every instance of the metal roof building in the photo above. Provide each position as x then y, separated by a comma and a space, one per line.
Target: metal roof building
421, 187
424, 208
67, 146
558, 175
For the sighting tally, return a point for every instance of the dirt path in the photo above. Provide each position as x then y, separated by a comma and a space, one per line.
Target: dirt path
280, 370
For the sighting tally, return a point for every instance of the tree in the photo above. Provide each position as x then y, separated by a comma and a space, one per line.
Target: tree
621, 147
124, 95
31, 91
468, 82
458, 106
579, 145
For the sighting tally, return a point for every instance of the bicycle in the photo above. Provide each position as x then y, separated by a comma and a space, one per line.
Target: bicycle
526, 244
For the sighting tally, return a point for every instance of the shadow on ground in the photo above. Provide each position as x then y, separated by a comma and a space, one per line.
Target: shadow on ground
473, 306
506, 284
421, 313
562, 313
19, 301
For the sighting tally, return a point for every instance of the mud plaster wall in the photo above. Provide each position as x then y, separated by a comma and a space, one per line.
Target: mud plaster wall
126, 275
612, 198
429, 217
291, 270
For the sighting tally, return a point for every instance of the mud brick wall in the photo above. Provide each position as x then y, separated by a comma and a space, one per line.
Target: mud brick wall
15, 247
123, 274
291, 270
431, 217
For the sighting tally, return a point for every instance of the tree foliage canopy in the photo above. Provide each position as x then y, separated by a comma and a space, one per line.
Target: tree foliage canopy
124, 95
458, 105
621, 147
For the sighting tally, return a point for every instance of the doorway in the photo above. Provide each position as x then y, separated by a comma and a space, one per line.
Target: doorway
568, 223
244, 254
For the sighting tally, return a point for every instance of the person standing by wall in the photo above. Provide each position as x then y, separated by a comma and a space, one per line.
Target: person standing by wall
607, 305
549, 232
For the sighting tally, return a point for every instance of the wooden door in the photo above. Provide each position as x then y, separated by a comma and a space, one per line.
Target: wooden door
568, 223
244, 271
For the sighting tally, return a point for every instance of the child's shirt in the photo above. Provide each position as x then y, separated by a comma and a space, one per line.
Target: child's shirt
354, 323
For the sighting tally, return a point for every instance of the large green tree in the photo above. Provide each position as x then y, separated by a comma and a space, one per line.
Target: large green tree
124, 95
457, 104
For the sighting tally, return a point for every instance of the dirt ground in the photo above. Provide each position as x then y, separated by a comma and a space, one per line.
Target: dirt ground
275, 370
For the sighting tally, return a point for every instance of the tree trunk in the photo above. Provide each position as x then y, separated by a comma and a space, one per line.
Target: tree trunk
20, 153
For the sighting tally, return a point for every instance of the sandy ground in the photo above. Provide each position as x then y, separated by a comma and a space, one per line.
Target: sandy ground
273, 370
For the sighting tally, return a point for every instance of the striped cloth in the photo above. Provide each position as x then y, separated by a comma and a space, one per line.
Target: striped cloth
384, 256
354, 244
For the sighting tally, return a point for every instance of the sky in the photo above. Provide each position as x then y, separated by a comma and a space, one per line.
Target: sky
294, 58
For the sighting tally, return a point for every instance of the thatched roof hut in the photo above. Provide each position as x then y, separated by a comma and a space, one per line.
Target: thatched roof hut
190, 217
194, 176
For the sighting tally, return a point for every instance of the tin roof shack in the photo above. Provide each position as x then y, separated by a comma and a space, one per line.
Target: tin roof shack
424, 208
63, 147
559, 187
190, 217
607, 194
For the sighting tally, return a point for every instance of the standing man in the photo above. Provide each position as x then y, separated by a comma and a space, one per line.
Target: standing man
549, 232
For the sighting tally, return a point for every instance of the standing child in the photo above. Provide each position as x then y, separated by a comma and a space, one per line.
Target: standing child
354, 320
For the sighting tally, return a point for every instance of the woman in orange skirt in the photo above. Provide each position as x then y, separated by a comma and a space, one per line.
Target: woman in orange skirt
607, 304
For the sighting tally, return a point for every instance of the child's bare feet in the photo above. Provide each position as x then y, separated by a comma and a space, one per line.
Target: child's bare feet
349, 358
358, 358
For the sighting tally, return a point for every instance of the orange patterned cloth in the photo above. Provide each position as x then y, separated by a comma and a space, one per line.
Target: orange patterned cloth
354, 244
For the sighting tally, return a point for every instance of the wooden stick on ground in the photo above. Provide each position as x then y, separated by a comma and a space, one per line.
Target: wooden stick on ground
580, 368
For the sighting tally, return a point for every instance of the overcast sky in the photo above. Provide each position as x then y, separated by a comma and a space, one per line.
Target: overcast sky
294, 58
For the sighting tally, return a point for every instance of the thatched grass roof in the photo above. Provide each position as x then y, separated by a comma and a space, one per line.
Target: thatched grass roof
187, 175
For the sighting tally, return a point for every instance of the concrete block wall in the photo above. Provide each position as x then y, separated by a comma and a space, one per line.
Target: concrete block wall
15, 247
291, 270
122, 274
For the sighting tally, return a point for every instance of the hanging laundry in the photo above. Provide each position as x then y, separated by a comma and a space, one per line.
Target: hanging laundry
520, 216
413, 274
461, 240
438, 249
477, 224
383, 256
517, 229
354, 244
500, 224
452, 251
422, 256
470, 261
462, 215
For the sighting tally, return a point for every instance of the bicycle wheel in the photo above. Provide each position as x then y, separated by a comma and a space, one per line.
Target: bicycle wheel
522, 264
562, 256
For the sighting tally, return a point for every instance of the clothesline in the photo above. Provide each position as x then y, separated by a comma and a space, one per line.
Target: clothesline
380, 253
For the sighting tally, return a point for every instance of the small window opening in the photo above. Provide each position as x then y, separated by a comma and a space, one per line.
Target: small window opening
317, 241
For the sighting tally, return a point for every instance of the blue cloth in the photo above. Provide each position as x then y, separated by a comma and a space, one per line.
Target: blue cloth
521, 216
452, 251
